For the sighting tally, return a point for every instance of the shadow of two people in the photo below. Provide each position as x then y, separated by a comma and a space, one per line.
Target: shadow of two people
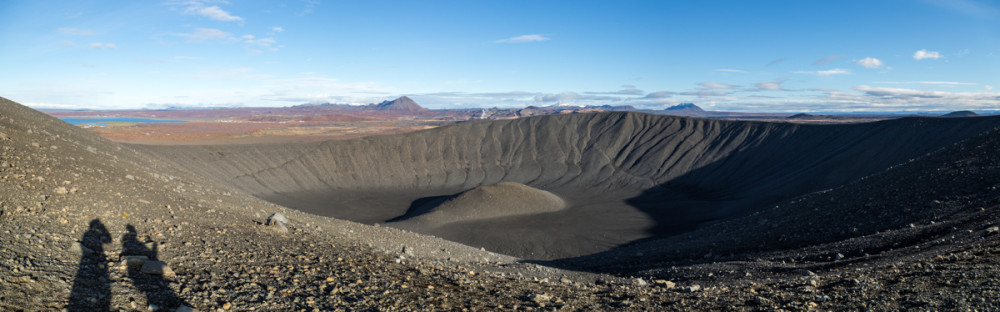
92, 286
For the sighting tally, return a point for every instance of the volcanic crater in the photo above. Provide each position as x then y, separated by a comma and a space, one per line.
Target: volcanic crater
566, 186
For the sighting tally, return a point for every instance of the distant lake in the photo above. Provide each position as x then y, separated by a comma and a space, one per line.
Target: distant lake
105, 120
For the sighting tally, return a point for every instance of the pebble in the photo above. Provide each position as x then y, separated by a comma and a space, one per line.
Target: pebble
665, 283
540, 298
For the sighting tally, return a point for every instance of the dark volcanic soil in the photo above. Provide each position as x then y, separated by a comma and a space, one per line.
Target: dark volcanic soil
624, 176
76, 209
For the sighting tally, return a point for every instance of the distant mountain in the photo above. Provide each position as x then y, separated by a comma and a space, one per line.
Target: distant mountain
402, 104
963, 113
685, 107
802, 116
610, 108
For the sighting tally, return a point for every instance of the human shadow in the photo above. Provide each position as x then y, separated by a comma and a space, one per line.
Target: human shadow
92, 285
155, 287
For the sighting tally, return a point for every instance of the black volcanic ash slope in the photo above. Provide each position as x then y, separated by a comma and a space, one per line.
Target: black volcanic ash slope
623, 176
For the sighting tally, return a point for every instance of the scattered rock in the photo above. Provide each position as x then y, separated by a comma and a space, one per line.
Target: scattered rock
276, 217
665, 283
278, 221
135, 262
153, 267
540, 298
691, 289
991, 230
639, 282
61, 190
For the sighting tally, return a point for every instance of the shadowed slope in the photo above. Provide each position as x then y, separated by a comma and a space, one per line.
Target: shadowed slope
624, 176
932, 203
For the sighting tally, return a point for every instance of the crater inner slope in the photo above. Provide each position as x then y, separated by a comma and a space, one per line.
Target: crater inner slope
623, 176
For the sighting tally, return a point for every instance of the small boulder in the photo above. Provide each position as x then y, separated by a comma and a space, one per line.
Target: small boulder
665, 283
540, 298
991, 230
135, 262
639, 282
153, 267
278, 221
276, 217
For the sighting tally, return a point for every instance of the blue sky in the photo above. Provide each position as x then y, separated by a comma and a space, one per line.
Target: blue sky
773, 56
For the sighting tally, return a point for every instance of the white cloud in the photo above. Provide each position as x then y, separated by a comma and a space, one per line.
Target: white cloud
705, 93
715, 85
98, 45
770, 85
199, 7
573, 98
310, 5
523, 39
869, 62
263, 42
946, 83
828, 59
831, 72
924, 54
728, 70
277, 29
76, 31
205, 34
659, 95
626, 90
899, 92
777, 61
216, 13
988, 88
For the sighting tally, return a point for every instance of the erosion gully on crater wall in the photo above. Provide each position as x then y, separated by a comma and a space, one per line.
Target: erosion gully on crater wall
621, 177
